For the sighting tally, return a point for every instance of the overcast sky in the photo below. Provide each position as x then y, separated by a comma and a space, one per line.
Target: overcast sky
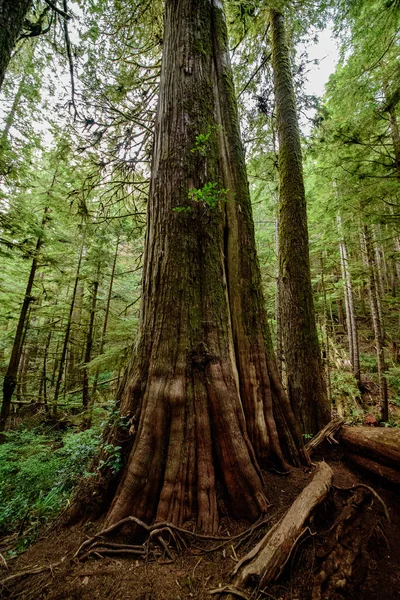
326, 51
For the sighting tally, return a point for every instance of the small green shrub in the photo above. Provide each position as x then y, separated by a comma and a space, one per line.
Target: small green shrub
345, 393
393, 378
209, 194
37, 474
368, 363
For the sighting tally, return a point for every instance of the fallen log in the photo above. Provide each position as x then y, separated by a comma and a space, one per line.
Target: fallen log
374, 468
326, 433
376, 449
265, 562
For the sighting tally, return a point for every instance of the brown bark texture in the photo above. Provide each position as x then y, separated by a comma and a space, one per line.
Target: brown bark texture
202, 392
12, 15
306, 385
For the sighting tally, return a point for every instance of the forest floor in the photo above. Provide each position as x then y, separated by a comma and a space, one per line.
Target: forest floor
197, 571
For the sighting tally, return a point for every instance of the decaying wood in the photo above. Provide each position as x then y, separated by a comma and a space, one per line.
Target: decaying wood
375, 468
375, 449
344, 548
266, 561
326, 433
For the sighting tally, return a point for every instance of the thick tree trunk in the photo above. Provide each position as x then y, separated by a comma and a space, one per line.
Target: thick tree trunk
12, 15
306, 385
202, 389
10, 379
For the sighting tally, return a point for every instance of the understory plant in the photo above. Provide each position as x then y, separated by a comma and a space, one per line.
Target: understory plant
38, 471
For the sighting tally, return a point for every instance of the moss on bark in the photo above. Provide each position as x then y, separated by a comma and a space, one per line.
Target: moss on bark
306, 385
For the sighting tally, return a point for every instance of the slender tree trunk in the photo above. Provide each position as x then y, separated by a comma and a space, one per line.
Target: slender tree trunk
103, 335
306, 385
88, 349
203, 388
21, 366
12, 15
393, 277
11, 115
380, 357
10, 379
349, 301
327, 352
76, 343
45, 358
346, 305
340, 313
361, 293
61, 364
379, 263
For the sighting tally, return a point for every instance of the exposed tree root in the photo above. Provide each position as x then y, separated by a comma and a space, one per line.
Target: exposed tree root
99, 546
229, 589
34, 571
372, 491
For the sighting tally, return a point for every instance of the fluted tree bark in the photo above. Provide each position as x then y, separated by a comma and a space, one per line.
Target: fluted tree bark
306, 385
202, 391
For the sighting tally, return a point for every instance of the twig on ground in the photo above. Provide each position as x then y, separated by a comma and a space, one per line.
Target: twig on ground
33, 571
229, 589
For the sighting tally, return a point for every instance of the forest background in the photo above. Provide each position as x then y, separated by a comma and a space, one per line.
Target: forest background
78, 101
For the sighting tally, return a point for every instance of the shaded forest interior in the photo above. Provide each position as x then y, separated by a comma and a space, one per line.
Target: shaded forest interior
199, 300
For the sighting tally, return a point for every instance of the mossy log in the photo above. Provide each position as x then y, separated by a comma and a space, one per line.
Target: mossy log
265, 562
376, 450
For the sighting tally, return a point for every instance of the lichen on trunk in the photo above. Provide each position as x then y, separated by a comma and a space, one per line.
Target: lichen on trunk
202, 391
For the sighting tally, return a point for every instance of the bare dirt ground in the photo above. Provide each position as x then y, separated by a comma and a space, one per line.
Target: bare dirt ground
204, 566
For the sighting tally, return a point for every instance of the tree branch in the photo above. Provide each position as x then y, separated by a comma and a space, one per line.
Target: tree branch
58, 10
